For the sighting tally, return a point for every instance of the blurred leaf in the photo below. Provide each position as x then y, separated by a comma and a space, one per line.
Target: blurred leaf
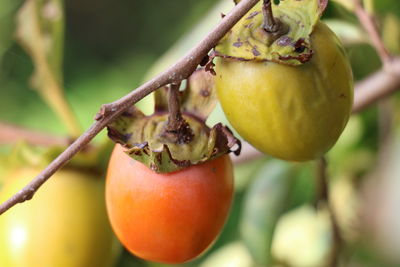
386, 6
345, 201
348, 33
302, 190
128, 260
234, 254
303, 237
8, 9
264, 202
391, 33
41, 32
188, 41
244, 173
348, 4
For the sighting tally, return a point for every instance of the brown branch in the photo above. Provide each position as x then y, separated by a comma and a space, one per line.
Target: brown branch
368, 22
10, 134
175, 74
377, 86
323, 198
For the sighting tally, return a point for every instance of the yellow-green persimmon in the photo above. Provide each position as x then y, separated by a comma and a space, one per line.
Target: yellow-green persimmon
64, 225
295, 113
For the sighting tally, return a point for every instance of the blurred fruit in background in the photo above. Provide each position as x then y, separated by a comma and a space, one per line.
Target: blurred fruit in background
65, 224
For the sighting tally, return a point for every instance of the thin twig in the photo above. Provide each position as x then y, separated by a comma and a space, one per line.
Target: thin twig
323, 198
367, 21
13, 134
175, 74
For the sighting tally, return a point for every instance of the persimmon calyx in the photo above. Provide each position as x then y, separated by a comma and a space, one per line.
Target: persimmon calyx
144, 137
248, 40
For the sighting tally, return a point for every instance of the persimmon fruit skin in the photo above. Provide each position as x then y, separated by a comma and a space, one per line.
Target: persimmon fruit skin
65, 224
295, 113
169, 218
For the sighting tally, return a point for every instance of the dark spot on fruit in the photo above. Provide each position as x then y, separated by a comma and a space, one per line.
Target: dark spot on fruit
204, 93
237, 44
253, 14
255, 52
300, 49
249, 25
342, 96
284, 41
214, 170
299, 46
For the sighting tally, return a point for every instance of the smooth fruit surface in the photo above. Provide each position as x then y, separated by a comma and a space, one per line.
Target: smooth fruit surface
64, 225
172, 217
293, 113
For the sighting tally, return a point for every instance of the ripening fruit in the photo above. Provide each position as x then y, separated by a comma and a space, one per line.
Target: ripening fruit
170, 217
64, 225
295, 113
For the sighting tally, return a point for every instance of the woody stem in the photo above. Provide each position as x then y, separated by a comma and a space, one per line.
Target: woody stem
174, 107
270, 24
177, 129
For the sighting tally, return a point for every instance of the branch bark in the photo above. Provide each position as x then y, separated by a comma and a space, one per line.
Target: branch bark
12, 134
368, 22
175, 74
377, 86
323, 198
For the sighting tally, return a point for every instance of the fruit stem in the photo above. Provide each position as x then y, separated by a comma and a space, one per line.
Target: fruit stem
177, 130
270, 24
175, 114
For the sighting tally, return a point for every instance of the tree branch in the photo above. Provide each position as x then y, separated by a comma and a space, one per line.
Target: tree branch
323, 198
367, 21
12, 134
377, 86
175, 74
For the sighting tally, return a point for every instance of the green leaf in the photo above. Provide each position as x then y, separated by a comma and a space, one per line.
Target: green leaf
348, 33
8, 9
264, 203
391, 33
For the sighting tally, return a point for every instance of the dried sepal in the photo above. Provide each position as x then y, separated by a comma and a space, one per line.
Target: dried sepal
143, 137
249, 41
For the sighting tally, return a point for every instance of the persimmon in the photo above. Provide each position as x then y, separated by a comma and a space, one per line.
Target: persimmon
292, 98
168, 217
65, 224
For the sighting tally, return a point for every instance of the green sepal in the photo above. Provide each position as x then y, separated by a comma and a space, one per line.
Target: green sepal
143, 136
249, 41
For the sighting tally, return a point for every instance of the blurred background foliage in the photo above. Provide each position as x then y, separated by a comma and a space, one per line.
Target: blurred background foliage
111, 47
